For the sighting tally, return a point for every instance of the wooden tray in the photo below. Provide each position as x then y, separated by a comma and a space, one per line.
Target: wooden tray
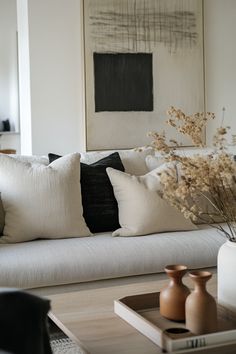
142, 312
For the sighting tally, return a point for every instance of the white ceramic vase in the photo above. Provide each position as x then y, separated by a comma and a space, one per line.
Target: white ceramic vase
226, 269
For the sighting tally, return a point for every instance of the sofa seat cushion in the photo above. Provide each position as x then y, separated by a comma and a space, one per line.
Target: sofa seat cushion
65, 261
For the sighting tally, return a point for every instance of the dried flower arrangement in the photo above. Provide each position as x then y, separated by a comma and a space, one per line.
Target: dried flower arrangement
203, 187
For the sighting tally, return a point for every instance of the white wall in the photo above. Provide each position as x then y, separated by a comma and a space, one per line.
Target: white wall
8, 72
24, 77
57, 122
56, 108
220, 56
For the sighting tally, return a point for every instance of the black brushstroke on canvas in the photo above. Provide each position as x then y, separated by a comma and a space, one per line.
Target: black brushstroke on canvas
139, 25
123, 82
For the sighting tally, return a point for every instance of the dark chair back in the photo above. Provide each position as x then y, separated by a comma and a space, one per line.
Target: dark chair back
23, 323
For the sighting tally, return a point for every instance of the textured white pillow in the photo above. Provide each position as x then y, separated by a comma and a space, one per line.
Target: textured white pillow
153, 162
23, 158
133, 160
41, 201
141, 209
32, 159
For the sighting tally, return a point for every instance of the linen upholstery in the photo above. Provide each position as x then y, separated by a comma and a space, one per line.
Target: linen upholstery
100, 208
23, 158
141, 210
133, 160
155, 160
33, 159
67, 261
41, 201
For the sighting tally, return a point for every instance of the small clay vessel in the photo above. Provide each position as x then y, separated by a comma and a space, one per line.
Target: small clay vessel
201, 310
173, 296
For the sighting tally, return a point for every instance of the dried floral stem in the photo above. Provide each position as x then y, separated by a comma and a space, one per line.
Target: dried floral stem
202, 187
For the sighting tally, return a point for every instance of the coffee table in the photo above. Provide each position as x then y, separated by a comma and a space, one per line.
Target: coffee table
88, 316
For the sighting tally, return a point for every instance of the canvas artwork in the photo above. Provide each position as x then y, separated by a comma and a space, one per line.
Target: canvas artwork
141, 57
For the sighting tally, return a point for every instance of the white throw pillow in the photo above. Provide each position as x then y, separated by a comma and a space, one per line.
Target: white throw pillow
32, 159
41, 201
133, 160
141, 210
23, 158
153, 162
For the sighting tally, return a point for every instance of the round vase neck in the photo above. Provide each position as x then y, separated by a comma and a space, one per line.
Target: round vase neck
231, 243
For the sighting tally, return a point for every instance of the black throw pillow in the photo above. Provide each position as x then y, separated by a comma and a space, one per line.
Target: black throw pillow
100, 209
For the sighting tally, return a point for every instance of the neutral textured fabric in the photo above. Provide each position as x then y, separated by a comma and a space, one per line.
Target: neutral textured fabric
153, 162
66, 261
33, 159
41, 201
2, 217
100, 208
141, 210
23, 158
133, 160
157, 162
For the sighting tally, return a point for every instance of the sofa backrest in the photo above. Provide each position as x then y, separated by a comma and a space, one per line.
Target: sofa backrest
133, 160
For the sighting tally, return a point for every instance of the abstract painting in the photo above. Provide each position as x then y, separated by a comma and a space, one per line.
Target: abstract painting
123, 82
141, 56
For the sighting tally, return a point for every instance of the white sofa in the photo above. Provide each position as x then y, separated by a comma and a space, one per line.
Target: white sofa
44, 263
47, 263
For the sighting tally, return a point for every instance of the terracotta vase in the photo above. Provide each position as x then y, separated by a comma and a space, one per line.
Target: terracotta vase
201, 311
173, 296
